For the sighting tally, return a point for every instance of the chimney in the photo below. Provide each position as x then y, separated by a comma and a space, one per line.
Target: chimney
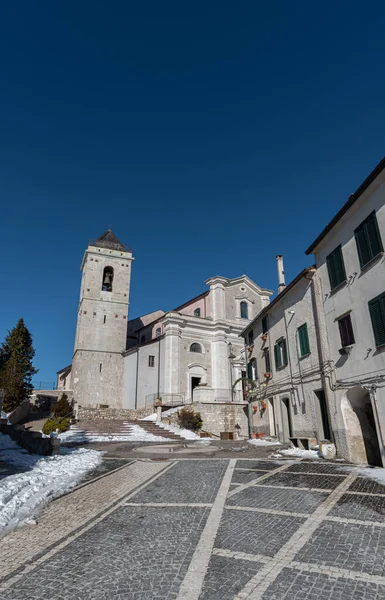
281, 273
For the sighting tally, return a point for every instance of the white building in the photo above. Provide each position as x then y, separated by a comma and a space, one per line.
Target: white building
194, 352
283, 360
350, 262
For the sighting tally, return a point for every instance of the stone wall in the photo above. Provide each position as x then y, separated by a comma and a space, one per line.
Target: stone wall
19, 413
218, 417
112, 414
33, 441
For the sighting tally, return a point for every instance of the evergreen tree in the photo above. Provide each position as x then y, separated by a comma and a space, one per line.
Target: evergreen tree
16, 369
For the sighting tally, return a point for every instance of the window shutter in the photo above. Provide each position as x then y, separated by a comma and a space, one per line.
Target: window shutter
336, 268
267, 361
363, 248
249, 370
284, 353
377, 315
277, 356
303, 337
373, 235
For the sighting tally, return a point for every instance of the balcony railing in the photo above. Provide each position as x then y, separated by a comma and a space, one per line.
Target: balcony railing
167, 399
44, 385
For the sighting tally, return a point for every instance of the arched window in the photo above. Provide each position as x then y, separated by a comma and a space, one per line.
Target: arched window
196, 348
108, 278
197, 312
244, 310
158, 332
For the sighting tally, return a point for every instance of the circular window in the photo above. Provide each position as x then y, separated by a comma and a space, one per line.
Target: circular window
243, 289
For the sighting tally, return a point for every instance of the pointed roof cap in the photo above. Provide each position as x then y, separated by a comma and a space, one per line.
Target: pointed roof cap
109, 240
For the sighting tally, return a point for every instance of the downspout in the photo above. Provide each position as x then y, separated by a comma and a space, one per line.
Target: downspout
288, 352
158, 368
249, 415
136, 384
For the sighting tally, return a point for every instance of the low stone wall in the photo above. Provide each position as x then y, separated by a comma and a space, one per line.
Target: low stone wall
33, 441
112, 414
20, 412
220, 417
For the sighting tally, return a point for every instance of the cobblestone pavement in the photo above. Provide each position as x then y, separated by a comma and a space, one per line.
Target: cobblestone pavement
204, 529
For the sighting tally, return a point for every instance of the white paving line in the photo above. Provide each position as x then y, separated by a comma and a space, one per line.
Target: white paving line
251, 470
292, 487
337, 572
258, 585
241, 555
244, 486
170, 504
365, 494
192, 583
69, 539
268, 511
356, 521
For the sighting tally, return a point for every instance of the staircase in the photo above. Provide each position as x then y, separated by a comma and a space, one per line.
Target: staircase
105, 427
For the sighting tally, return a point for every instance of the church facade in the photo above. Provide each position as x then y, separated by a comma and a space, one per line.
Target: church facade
192, 353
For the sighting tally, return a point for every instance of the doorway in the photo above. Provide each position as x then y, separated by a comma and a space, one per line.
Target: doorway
360, 424
272, 417
195, 381
287, 429
323, 424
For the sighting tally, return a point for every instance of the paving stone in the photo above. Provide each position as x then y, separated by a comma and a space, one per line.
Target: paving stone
226, 577
278, 499
349, 546
267, 465
255, 533
246, 476
364, 508
188, 481
296, 585
316, 466
136, 553
307, 481
366, 485
105, 467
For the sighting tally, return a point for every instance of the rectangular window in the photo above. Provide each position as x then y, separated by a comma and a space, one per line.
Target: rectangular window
346, 331
336, 268
251, 338
267, 360
151, 361
377, 315
368, 240
303, 339
265, 325
280, 354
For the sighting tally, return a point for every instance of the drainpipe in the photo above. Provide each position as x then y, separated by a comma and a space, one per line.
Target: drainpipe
281, 273
136, 384
288, 354
158, 368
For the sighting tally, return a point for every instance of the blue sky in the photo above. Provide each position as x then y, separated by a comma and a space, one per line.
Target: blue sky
210, 135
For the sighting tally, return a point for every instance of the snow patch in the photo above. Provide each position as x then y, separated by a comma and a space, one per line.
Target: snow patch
187, 434
134, 434
377, 474
263, 442
297, 452
150, 417
22, 495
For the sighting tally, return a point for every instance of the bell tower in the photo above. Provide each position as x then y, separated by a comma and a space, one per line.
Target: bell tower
97, 364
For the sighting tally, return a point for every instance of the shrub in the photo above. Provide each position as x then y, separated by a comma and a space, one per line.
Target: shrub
63, 407
55, 423
190, 420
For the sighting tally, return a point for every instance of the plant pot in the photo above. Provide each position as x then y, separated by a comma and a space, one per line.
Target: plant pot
259, 435
253, 436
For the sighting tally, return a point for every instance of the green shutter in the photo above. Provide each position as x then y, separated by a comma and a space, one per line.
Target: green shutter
377, 315
368, 239
303, 337
373, 235
277, 356
336, 268
284, 353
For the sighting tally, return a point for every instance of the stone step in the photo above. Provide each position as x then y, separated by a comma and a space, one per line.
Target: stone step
100, 427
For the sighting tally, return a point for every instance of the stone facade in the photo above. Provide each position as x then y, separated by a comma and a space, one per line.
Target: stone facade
112, 414
101, 332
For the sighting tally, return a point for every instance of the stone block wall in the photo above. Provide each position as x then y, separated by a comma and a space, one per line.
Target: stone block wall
220, 416
112, 414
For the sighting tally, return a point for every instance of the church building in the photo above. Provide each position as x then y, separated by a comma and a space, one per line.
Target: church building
191, 353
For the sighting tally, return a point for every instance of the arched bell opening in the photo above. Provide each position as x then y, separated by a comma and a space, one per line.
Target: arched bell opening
108, 278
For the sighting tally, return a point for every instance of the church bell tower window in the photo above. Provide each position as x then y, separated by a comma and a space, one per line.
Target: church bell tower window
108, 277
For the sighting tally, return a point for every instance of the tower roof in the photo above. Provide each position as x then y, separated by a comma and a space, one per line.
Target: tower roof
109, 240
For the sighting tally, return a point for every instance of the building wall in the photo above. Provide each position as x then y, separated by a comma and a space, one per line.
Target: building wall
365, 362
141, 380
97, 367
300, 378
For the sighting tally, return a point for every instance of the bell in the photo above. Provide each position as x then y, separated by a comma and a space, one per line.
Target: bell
107, 279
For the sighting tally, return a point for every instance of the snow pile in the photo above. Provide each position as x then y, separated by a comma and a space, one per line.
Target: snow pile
150, 417
264, 442
378, 474
23, 494
298, 453
187, 434
134, 434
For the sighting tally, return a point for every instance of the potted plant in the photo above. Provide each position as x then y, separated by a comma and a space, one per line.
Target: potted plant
264, 337
267, 375
158, 402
